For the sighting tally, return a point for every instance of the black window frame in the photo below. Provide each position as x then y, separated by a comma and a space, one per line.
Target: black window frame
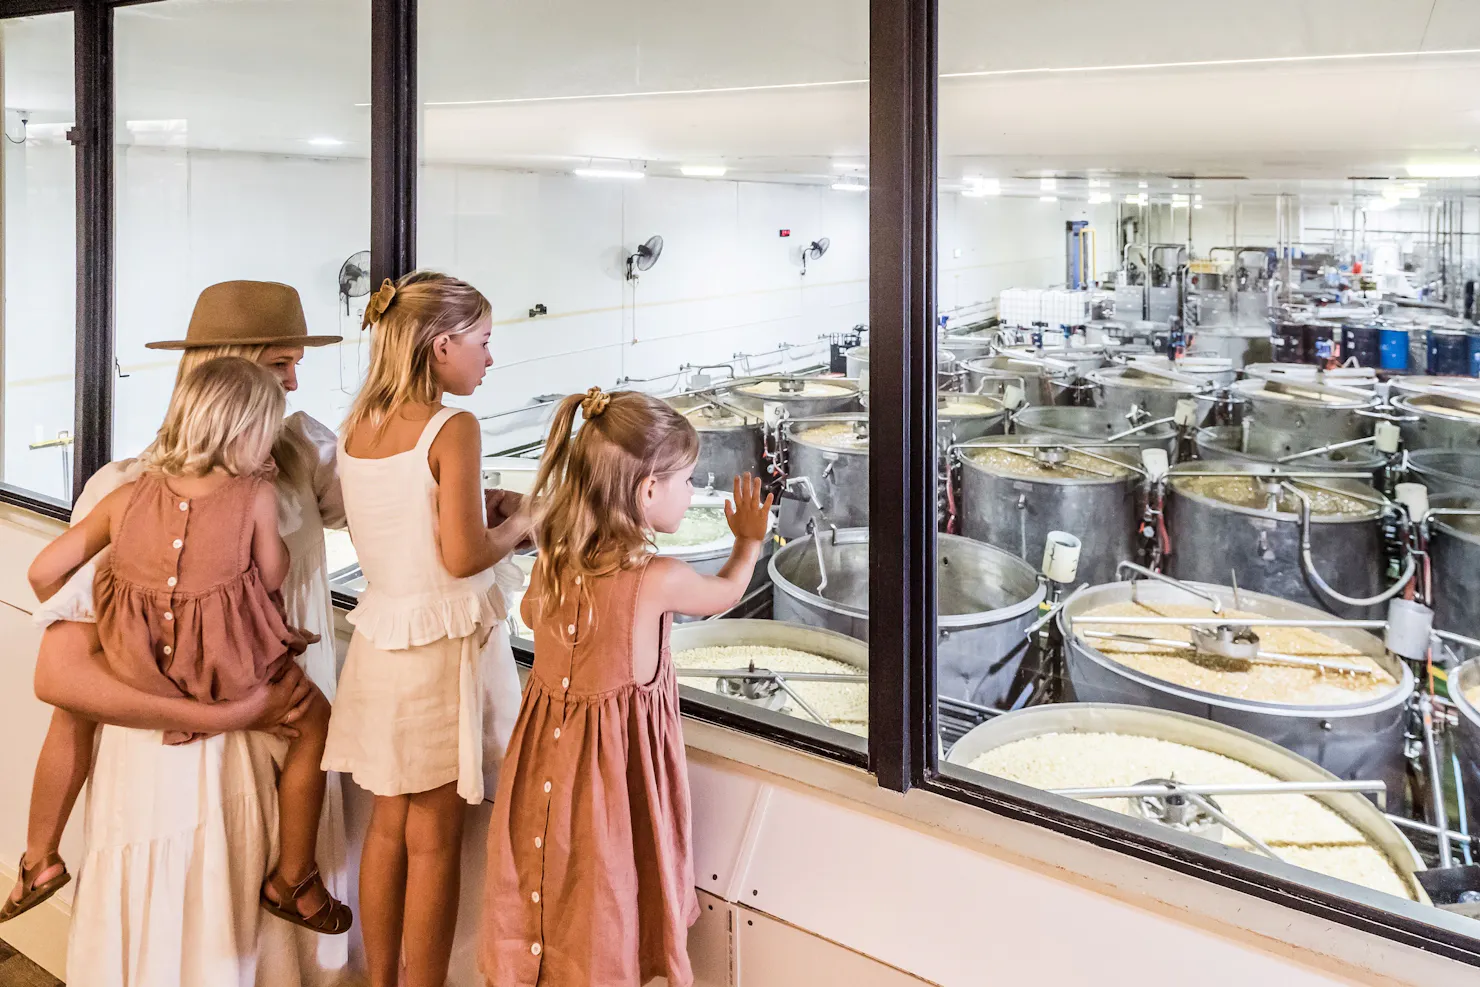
903, 84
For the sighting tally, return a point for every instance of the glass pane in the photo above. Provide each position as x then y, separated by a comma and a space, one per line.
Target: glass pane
1135, 272
242, 153
40, 279
675, 205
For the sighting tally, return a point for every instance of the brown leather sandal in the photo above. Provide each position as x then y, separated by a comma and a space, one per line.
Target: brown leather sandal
333, 918
33, 894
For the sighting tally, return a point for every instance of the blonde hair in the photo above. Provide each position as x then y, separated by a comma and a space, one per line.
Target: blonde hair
407, 318
290, 452
226, 414
588, 518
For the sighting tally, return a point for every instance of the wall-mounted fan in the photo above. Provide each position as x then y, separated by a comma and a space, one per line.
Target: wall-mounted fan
645, 257
354, 277
814, 251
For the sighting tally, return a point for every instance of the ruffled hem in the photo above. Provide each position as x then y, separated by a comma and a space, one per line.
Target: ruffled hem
397, 624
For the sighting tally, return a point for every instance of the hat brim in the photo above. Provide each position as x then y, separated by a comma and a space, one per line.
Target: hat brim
306, 341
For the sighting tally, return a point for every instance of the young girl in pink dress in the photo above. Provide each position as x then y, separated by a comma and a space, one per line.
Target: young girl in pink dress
590, 881
188, 599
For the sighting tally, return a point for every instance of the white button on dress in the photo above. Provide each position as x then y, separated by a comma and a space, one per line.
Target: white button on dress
538, 842
168, 650
557, 733
547, 788
565, 683
184, 506
171, 581
535, 949
168, 615
178, 543
535, 897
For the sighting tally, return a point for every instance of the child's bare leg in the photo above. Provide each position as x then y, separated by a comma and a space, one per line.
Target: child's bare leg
301, 802
61, 768
434, 825
383, 888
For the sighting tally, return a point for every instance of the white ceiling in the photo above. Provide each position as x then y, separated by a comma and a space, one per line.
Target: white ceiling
1315, 89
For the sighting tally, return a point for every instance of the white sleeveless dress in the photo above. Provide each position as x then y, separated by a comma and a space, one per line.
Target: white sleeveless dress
177, 840
429, 692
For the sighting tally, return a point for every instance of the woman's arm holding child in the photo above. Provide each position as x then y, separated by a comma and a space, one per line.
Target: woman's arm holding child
269, 550
71, 673
76, 546
682, 589
466, 543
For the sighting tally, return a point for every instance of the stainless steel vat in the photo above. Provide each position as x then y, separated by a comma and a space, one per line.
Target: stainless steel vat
857, 359
1444, 420
1196, 731
1423, 384
1446, 471
963, 417
1091, 425
1353, 740
837, 467
731, 440
1463, 682
763, 633
1305, 373
1015, 512
1041, 380
1241, 345
969, 346
1211, 537
1454, 554
802, 397
986, 597
1293, 416
1226, 443
1139, 392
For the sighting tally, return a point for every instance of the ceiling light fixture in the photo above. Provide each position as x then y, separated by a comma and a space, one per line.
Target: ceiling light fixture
1142, 185
849, 166
1099, 198
1438, 170
1048, 198
850, 187
608, 173
1048, 184
980, 188
702, 171
325, 141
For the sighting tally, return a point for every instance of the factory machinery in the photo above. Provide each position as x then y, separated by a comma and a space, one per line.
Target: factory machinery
1273, 562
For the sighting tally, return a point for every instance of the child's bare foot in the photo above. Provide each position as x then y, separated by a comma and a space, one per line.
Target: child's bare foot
306, 902
35, 883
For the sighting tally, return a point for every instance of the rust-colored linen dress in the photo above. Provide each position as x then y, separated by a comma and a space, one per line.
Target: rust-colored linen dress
590, 877
181, 604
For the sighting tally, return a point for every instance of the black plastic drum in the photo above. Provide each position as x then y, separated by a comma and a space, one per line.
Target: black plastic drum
1287, 340
1362, 343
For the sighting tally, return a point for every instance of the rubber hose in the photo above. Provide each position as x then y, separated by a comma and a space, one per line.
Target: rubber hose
1309, 566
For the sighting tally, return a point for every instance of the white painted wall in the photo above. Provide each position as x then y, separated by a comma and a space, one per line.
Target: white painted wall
727, 283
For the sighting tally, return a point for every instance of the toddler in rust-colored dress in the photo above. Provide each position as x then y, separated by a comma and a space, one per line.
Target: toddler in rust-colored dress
590, 880
188, 597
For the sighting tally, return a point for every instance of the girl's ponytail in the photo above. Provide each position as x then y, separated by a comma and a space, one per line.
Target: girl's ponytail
554, 463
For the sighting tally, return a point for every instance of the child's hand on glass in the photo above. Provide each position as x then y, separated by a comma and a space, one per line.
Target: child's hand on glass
749, 517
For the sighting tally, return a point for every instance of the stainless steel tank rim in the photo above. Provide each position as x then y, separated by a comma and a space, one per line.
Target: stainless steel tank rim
1292, 516
1466, 670
1449, 529
1399, 696
943, 621
1193, 731
1245, 388
1405, 403
1132, 471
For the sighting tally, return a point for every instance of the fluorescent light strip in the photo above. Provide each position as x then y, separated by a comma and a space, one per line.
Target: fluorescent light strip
607, 173
702, 171
986, 73
849, 187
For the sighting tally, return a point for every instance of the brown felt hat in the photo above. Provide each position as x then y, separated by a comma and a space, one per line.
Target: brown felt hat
246, 313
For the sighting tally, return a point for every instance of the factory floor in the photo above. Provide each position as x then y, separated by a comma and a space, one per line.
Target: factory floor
17, 971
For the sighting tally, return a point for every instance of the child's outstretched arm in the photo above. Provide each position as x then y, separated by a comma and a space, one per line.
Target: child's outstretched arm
55, 563
269, 550
466, 543
682, 589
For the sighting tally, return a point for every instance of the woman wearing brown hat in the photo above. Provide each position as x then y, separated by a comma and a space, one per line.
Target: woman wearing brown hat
180, 838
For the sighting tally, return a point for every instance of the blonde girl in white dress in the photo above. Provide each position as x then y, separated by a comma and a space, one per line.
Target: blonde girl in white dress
429, 663
178, 839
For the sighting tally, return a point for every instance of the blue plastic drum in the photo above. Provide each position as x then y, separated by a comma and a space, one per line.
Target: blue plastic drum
1475, 354
1449, 353
1393, 348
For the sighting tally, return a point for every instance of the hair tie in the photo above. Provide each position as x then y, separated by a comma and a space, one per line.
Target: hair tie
378, 303
594, 403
